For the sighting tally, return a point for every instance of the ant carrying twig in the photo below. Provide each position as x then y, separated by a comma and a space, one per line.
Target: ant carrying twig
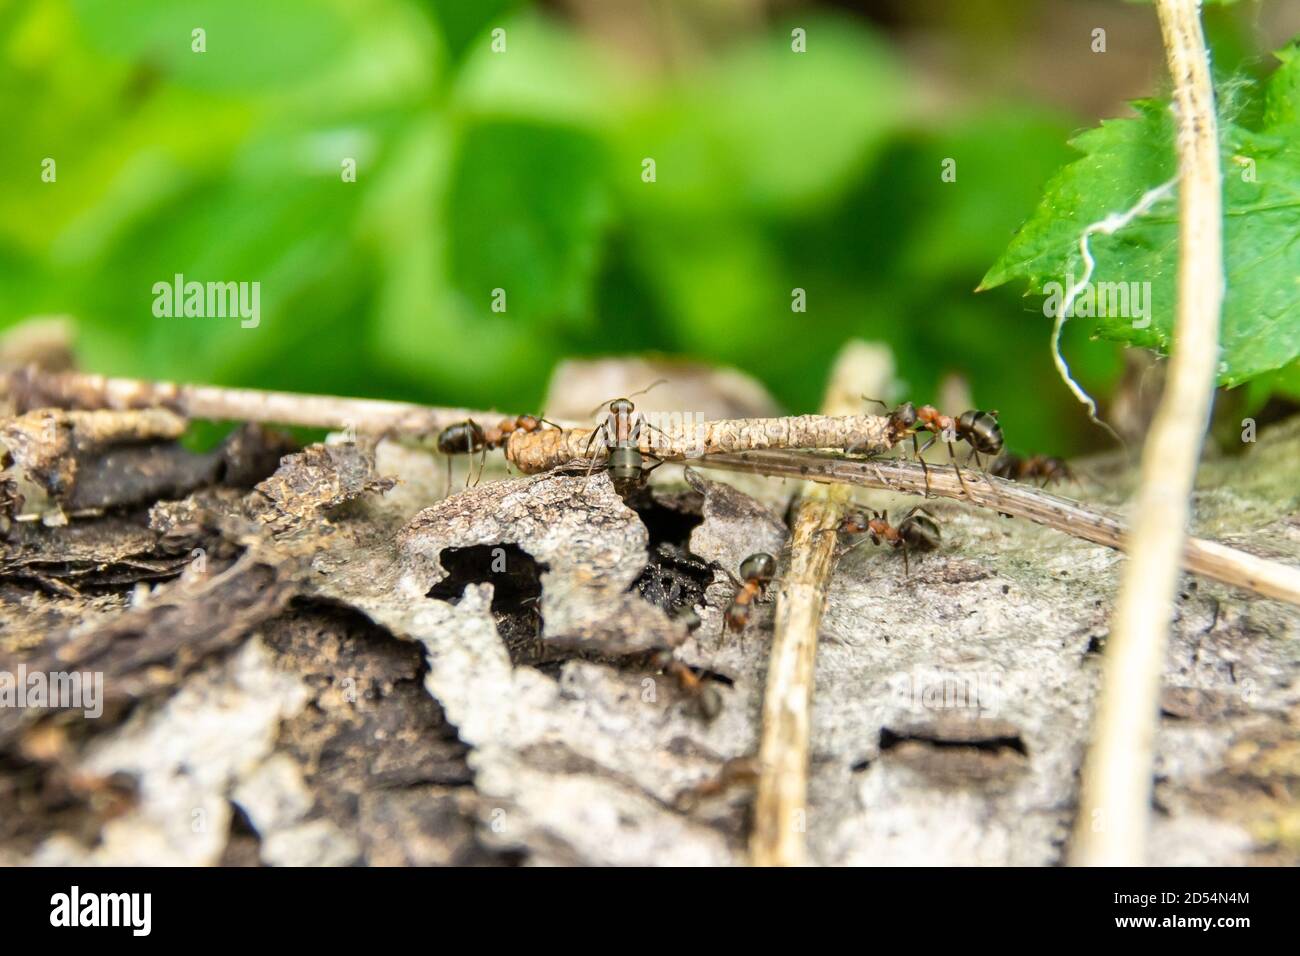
918, 531
979, 429
756, 573
469, 438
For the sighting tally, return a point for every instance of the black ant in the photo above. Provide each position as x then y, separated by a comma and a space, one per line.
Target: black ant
756, 573
622, 431
1044, 468
468, 438
918, 531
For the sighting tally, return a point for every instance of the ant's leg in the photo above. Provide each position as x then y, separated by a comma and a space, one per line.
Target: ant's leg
447, 492
482, 465
586, 450
907, 568
952, 453
920, 452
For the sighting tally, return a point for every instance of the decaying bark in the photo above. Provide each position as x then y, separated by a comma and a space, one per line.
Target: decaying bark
382, 674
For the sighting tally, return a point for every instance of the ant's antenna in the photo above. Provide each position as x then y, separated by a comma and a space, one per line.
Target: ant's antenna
654, 384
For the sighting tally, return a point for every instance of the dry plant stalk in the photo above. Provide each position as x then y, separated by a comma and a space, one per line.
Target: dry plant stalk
534, 452
1210, 559
1115, 801
780, 810
32, 388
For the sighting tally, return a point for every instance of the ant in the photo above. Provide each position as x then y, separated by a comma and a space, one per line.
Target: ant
979, 429
468, 438
756, 573
705, 695
622, 431
918, 531
735, 772
901, 424
1043, 467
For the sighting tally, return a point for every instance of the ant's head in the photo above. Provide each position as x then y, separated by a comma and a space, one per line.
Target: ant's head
621, 407
758, 567
903, 417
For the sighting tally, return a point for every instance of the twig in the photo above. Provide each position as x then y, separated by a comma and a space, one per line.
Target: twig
32, 388
780, 810
534, 452
1209, 559
531, 452
1115, 799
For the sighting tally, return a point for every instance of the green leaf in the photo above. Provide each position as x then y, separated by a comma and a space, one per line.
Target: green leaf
246, 43
1122, 160
527, 209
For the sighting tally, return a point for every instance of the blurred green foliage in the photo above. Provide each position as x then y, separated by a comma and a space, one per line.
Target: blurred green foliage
519, 170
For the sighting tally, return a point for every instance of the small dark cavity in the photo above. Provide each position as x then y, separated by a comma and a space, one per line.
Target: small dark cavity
991, 738
673, 579
516, 579
670, 518
860, 766
243, 845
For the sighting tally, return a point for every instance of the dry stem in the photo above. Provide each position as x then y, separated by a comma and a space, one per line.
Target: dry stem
534, 452
32, 388
1209, 559
1115, 801
780, 811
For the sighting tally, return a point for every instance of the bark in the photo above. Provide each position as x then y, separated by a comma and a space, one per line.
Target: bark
363, 678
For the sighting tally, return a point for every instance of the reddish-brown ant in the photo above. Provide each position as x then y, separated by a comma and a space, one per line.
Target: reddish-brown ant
977, 428
736, 772
918, 531
702, 691
1043, 468
756, 573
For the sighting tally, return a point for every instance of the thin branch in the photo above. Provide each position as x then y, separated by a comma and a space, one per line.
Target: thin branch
534, 452
1115, 801
780, 810
1209, 559
31, 388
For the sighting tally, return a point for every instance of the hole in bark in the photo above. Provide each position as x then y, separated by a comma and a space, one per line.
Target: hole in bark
673, 578
243, 845
516, 579
993, 741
